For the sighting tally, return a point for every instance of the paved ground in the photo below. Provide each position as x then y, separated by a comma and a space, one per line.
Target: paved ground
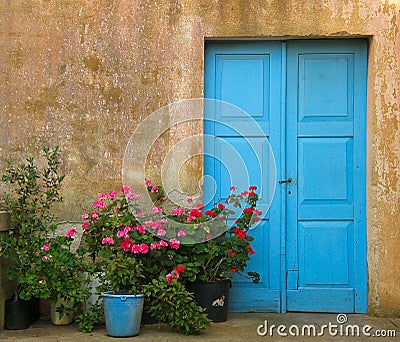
239, 327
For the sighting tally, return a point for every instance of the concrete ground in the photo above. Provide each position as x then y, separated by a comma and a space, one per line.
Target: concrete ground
239, 327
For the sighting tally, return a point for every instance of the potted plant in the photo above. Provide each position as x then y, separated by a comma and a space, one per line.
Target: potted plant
132, 260
58, 277
216, 245
29, 197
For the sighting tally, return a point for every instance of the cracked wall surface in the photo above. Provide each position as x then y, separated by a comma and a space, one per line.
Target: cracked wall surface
83, 74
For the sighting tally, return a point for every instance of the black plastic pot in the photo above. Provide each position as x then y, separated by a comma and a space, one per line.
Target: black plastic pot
18, 314
35, 309
214, 297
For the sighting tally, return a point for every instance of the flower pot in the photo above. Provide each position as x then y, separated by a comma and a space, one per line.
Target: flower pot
146, 316
214, 297
17, 314
5, 221
123, 313
92, 285
56, 318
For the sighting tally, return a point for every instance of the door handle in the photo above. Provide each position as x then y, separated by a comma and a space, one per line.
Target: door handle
289, 180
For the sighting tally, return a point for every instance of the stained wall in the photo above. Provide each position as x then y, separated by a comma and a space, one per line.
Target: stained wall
83, 74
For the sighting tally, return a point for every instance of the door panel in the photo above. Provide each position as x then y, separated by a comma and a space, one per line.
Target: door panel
242, 74
308, 98
324, 149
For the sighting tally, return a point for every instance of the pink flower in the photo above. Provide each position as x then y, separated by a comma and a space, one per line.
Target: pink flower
85, 225
169, 278
139, 213
131, 196
181, 233
156, 210
71, 233
178, 212
155, 245
154, 188
174, 243
148, 182
95, 215
112, 194
161, 232
127, 229
99, 204
44, 258
135, 248
101, 197
152, 224
142, 248
190, 219
232, 188
174, 275
190, 200
107, 240
126, 245
125, 189
120, 234
85, 216
163, 243
46, 247
141, 229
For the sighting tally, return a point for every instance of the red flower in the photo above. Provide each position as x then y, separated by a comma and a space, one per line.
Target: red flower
248, 210
251, 194
195, 213
126, 245
200, 206
233, 270
250, 249
179, 269
253, 187
221, 206
210, 213
239, 233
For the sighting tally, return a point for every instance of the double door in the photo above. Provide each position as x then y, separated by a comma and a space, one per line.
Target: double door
296, 129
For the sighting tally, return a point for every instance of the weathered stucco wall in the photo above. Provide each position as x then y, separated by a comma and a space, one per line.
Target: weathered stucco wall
83, 74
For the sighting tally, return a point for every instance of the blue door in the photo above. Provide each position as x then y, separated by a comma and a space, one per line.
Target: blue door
308, 98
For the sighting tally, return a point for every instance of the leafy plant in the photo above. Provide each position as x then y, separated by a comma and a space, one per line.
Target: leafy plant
31, 196
173, 305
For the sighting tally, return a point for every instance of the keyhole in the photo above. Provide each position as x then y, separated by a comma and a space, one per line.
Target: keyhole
289, 192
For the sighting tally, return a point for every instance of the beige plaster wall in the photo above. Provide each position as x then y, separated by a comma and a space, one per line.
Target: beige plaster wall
83, 74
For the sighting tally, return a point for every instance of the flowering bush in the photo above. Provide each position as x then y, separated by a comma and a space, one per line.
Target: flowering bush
134, 259
119, 244
215, 242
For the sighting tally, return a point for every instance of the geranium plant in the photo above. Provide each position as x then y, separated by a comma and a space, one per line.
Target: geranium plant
119, 244
216, 242
133, 259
